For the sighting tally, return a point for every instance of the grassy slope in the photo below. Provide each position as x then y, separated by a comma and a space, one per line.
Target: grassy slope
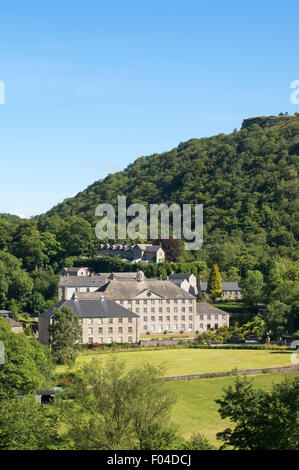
196, 410
192, 361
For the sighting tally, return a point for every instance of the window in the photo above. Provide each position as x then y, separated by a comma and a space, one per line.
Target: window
160, 309
209, 317
100, 331
152, 302
167, 309
100, 320
80, 321
160, 301
130, 320
145, 327
130, 339
153, 310
175, 309
216, 317
167, 318
120, 339
144, 319
223, 317
100, 340
130, 329
110, 320
137, 310
167, 327
90, 321
145, 302
190, 309
175, 318
183, 318
160, 328
145, 310
175, 327
160, 318
120, 320
168, 301
110, 340
190, 327
110, 329
137, 302
190, 318
90, 331
183, 326
90, 340
201, 317
183, 309
120, 329
201, 326
175, 301
152, 328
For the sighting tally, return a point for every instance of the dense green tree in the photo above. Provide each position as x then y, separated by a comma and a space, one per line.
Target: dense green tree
275, 317
13, 309
214, 288
36, 303
64, 331
27, 244
26, 425
113, 408
252, 287
27, 364
262, 420
15, 283
76, 237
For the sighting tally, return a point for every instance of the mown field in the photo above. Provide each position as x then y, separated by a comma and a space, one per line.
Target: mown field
193, 361
196, 410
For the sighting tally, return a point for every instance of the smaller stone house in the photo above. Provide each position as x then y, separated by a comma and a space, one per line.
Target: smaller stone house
82, 271
16, 327
230, 290
210, 317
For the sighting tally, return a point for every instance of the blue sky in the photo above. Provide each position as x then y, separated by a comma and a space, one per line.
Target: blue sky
91, 86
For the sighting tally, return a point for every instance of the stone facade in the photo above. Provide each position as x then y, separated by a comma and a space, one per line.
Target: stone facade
230, 290
210, 317
102, 321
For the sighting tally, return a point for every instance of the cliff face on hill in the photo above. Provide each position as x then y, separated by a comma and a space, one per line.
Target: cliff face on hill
267, 121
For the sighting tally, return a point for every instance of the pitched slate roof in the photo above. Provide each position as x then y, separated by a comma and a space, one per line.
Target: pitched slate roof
203, 308
181, 276
83, 281
225, 286
100, 308
148, 248
127, 290
122, 276
13, 322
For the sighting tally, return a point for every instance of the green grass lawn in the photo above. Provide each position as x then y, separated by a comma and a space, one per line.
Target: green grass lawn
196, 410
193, 361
